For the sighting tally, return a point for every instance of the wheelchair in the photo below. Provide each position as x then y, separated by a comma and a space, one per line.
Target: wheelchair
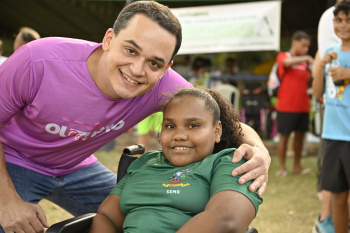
81, 224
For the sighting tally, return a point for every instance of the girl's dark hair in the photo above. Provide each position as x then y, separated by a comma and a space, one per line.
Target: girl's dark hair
222, 110
342, 6
156, 12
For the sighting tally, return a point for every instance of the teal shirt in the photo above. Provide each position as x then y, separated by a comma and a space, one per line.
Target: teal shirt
157, 196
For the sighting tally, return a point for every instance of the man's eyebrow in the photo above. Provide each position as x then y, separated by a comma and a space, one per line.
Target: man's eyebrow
159, 59
139, 48
134, 43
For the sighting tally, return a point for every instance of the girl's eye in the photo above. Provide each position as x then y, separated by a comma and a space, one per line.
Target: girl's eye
169, 126
191, 126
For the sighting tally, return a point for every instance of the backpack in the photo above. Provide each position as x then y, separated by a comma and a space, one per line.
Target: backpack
274, 81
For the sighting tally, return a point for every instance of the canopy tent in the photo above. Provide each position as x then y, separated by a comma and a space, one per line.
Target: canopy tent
89, 19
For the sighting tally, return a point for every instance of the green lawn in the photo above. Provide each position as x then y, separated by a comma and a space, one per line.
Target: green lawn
290, 204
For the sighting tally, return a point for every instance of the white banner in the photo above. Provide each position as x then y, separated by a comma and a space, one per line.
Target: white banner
253, 26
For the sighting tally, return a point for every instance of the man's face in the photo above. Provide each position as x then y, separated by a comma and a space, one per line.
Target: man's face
136, 58
302, 46
342, 26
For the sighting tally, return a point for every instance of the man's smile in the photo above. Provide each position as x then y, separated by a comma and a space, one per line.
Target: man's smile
129, 79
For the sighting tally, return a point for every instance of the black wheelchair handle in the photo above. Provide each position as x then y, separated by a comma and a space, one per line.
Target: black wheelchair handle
127, 158
134, 150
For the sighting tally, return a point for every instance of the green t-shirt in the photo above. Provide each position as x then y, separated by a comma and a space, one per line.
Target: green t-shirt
157, 196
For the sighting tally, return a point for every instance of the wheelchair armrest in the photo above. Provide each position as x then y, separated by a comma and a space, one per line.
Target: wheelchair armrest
80, 224
252, 230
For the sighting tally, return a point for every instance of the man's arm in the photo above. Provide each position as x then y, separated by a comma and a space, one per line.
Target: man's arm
17, 215
258, 158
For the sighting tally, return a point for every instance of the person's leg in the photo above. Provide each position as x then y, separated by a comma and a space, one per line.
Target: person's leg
284, 125
281, 149
324, 222
31, 186
336, 179
298, 147
301, 127
340, 212
83, 191
326, 205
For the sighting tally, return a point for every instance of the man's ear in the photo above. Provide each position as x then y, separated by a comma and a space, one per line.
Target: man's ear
218, 131
106, 42
167, 67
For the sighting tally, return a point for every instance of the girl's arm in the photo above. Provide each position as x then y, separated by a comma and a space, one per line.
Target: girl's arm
226, 211
109, 217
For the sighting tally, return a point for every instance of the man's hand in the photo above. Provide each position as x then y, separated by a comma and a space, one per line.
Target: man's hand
256, 168
18, 216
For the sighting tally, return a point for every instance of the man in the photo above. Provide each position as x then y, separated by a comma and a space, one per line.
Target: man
62, 99
293, 101
24, 36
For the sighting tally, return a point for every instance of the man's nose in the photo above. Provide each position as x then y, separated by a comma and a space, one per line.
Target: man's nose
138, 68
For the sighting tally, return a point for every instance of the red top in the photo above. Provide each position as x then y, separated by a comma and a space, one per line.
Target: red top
292, 95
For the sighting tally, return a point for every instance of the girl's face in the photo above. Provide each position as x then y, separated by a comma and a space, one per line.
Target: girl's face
188, 134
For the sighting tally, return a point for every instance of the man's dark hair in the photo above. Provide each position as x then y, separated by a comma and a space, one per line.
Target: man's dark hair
298, 35
156, 12
342, 6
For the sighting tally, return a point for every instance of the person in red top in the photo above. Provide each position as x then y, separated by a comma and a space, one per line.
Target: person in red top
292, 99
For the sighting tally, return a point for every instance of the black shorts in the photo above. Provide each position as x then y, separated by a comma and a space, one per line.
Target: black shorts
335, 176
290, 121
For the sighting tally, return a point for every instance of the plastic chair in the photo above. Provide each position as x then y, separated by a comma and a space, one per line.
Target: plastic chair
81, 224
231, 92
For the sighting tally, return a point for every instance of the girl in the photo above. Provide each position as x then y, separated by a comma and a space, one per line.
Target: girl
188, 186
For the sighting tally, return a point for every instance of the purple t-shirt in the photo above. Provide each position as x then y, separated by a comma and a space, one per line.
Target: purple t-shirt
54, 115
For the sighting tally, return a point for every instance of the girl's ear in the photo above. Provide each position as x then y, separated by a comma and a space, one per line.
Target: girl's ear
218, 131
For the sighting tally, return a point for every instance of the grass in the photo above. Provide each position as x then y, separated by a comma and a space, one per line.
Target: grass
290, 204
